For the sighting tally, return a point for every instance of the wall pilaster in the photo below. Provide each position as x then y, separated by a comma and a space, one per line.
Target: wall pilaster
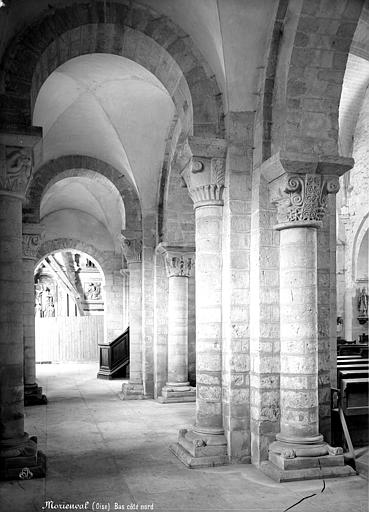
31, 241
132, 251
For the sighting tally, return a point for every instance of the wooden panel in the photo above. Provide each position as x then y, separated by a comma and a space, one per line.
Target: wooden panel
69, 338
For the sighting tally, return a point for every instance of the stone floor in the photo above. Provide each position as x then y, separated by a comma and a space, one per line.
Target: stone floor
102, 452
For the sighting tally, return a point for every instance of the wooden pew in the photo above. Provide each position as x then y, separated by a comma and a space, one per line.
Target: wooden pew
347, 367
355, 356
358, 349
352, 408
357, 360
354, 396
352, 374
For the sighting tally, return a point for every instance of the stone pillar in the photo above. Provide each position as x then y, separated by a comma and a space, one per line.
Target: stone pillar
125, 274
19, 457
203, 166
31, 242
132, 250
178, 264
299, 451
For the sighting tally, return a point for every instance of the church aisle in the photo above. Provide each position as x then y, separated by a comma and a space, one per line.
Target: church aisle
103, 452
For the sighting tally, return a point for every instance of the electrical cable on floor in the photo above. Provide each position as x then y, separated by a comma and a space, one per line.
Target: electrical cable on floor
306, 497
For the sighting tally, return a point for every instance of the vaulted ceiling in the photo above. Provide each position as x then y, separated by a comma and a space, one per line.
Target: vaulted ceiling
110, 108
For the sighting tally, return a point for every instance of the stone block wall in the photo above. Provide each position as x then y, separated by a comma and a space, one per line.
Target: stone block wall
148, 259
353, 223
192, 328
327, 346
161, 326
179, 216
235, 316
316, 66
264, 321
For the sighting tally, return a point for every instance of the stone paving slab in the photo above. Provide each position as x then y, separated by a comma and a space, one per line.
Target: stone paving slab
104, 450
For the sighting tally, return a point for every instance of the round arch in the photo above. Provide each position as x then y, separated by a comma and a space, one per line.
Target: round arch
132, 31
304, 77
81, 165
360, 229
104, 260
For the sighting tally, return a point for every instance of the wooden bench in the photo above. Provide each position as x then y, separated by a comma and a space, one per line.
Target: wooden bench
360, 360
355, 356
358, 349
350, 401
352, 374
354, 396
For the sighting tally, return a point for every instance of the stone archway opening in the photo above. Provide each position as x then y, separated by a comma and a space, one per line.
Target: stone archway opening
69, 307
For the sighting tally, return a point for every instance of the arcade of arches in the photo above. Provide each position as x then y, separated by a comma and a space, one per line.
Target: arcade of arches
211, 159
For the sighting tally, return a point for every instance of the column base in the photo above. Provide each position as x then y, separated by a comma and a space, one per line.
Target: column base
29, 464
200, 450
33, 395
177, 394
132, 391
290, 462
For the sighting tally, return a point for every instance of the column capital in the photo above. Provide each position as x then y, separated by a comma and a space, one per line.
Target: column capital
32, 238
178, 260
301, 199
131, 243
16, 161
201, 163
300, 187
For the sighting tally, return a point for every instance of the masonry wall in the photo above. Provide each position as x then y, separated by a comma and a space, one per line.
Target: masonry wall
264, 321
161, 326
235, 287
353, 212
327, 346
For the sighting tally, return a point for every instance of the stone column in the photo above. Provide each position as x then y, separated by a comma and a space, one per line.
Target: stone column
132, 250
202, 162
19, 457
299, 451
178, 264
31, 242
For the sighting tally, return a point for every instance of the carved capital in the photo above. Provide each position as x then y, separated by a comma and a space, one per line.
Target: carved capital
178, 260
31, 244
131, 248
301, 199
201, 163
15, 169
32, 238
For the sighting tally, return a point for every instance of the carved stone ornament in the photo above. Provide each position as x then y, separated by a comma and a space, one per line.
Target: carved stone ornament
178, 265
15, 169
303, 198
132, 249
31, 244
201, 163
207, 195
